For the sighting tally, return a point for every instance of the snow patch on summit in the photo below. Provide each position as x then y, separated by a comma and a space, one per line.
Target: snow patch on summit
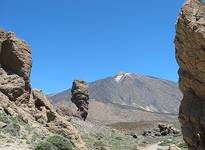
121, 75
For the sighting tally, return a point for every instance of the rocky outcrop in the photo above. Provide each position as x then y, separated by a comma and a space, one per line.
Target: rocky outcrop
18, 99
15, 61
162, 130
80, 97
190, 54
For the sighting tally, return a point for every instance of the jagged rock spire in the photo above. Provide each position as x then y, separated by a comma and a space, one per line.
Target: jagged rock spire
80, 97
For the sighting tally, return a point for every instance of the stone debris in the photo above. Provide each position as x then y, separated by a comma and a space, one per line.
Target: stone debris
162, 130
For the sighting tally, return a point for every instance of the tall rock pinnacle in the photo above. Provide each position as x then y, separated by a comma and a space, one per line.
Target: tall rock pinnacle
190, 55
80, 97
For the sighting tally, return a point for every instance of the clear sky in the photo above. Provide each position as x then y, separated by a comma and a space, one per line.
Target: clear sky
93, 39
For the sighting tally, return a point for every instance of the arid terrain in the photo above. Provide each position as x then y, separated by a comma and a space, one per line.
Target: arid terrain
128, 97
126, 111
117, 122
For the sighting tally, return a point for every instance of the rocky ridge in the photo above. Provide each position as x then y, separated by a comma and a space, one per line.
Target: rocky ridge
190, 55
18, 99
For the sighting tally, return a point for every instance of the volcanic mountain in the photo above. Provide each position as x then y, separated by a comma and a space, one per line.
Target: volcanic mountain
128, 97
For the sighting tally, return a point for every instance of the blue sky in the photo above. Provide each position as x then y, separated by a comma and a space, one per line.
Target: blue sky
93, 39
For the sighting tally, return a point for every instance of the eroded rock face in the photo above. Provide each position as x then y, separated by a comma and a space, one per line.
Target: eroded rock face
80, 97
16, 63
16, 56
190, 55
18, 99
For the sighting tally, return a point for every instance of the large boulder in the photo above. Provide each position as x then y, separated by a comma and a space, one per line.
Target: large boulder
190, 55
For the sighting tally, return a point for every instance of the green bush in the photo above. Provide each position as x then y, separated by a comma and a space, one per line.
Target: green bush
11, 119
55, 142
60, 142
182, 145
12, 129
44, 145
13, 124
99, 145
4, 118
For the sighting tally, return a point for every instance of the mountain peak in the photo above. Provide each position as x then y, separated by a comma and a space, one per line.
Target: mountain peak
121, 75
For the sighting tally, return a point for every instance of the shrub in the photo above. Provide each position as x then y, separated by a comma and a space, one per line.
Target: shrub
183, 145
60, 142
4, 118
44, 145
99, 145
11, 119
12, 129
55, 142
13, 124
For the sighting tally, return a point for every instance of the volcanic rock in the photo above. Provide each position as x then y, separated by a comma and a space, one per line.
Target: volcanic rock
80, 97
167, 129
190, 55
15, 61
18, 99
162, 130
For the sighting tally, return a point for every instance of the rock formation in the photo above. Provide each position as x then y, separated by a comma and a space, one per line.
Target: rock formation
162, 130
190, 55
18, 99
15, 61
80, 97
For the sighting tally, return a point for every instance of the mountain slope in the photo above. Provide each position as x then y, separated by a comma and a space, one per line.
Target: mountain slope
128, 97
145, 92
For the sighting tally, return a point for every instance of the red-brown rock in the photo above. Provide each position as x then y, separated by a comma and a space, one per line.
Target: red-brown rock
80, 97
